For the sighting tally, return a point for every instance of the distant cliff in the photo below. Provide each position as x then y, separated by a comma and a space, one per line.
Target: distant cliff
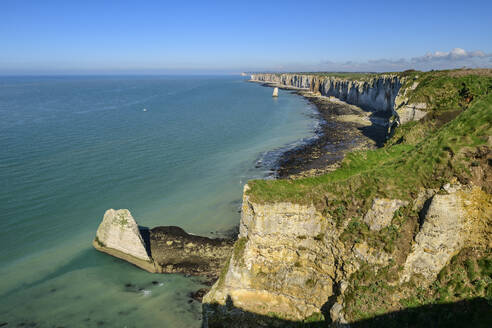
395, 231
384, 94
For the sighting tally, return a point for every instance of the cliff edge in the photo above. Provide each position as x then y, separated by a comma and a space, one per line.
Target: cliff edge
393, 231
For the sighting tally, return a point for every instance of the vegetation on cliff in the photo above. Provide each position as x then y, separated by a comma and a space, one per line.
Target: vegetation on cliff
419, 154
451, 144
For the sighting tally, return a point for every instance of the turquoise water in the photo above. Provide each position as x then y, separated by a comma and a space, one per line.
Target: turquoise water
73, 147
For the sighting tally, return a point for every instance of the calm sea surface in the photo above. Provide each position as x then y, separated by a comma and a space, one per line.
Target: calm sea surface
72, 147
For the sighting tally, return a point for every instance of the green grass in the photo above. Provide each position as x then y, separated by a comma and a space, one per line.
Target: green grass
394, 171
370, 293
424, 154
463, 278
361, 76
238, 250
449, 90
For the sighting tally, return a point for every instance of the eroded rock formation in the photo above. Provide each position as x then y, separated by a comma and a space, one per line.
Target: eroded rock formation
161, 249
291, 261
459, 216
380, 214
286, 263
119, 235
384, 94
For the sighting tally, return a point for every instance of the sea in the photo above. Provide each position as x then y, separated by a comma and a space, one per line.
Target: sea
174, 150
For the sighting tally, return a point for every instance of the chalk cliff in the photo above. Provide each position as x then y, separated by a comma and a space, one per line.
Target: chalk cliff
406, 225
167, 249
119, 235
293, 263
385, 94
289, 262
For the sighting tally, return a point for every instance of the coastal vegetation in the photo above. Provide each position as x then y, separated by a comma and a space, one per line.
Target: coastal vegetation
419, 154
375, 282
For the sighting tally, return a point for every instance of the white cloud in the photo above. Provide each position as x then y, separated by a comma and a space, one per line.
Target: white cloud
456, 58
454, 55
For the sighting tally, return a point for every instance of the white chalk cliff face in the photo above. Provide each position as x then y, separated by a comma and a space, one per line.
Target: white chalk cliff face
119, 231
454, 220
286, 263
377, 95
290, 261
382, 94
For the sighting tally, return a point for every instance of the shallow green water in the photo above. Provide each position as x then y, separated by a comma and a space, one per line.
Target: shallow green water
73, 147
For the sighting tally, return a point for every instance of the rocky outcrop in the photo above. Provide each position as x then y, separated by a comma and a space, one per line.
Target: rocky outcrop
383, 94
411, 112
119, 235
381, 212
457, 217
406, 111
292, 262
285, 264
175, 251
161, 249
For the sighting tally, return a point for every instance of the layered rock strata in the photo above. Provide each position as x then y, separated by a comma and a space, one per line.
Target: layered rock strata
285, 264
119, 235
291, 263
459, 216
383, 95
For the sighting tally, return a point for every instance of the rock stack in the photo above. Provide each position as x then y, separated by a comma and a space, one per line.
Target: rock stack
119, 235
161, 249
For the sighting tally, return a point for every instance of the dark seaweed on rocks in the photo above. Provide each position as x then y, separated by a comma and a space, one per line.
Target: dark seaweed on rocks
333, 139
176, 251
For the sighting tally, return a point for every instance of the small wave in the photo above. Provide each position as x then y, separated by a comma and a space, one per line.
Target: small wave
146, 292
271, 160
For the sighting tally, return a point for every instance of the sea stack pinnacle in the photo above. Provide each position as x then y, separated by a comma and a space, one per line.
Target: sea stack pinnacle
119, 235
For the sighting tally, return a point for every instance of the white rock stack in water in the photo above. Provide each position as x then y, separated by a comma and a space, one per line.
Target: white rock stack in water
119, 231
275, 92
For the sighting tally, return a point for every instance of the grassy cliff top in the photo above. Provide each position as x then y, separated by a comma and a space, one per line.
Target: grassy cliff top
440, 90
420, 154
448, 90
485, 72
452, 141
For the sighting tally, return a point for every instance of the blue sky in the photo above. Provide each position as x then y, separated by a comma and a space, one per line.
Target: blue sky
230, 36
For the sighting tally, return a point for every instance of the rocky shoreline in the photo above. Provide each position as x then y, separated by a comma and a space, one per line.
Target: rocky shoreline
343, 128
391, 231
164, 249
169, 249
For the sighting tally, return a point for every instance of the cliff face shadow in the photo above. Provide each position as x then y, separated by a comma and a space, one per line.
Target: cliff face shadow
376, 133
145, 233
476, 312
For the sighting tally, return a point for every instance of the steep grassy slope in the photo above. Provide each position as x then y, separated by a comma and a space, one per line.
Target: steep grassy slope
451, 144
420, 154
